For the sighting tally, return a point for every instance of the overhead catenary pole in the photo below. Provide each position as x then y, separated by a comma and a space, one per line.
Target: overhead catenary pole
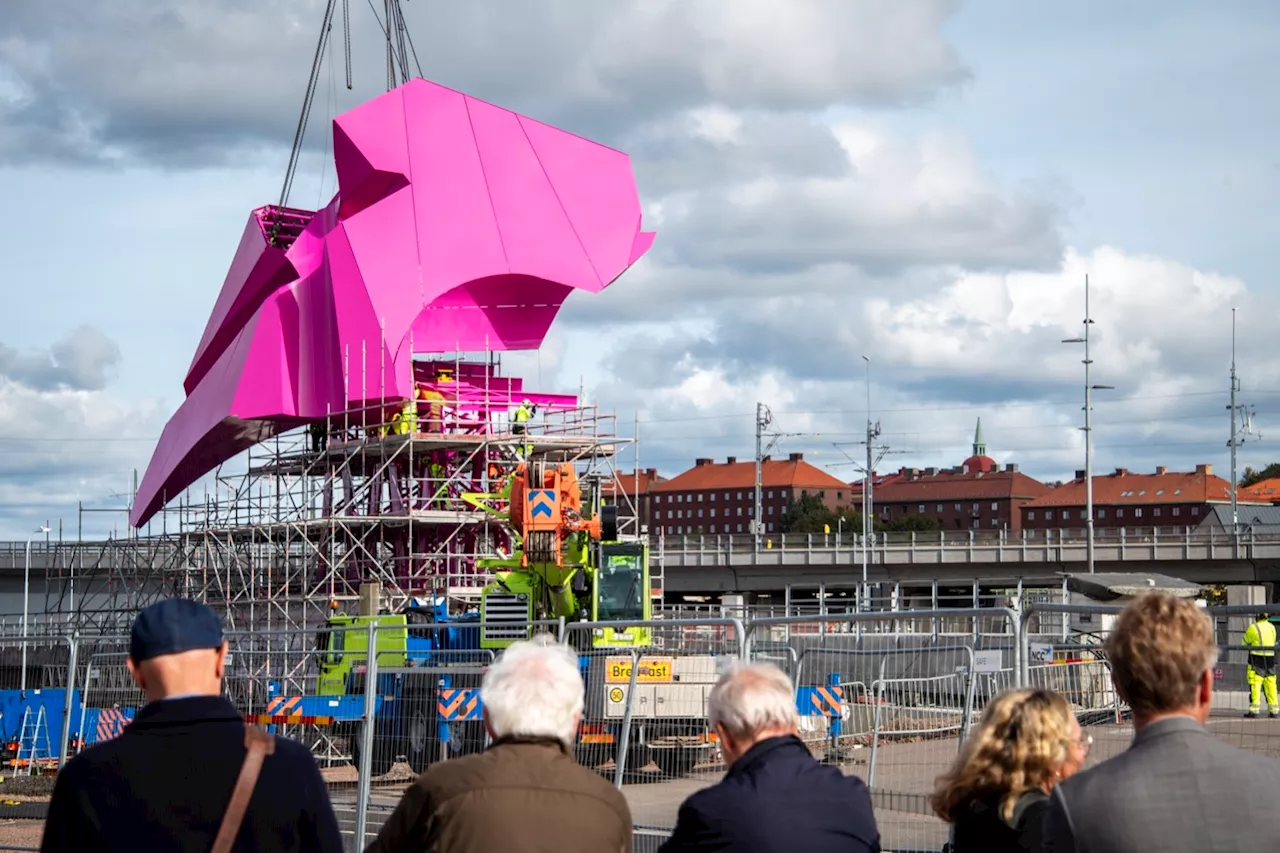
763, 418
868, 499
1089, 388
1235, 386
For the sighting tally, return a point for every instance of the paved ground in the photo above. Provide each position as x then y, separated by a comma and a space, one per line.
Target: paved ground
904, 775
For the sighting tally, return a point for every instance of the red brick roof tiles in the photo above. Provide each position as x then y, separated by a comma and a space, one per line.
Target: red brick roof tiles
1266, 491
625, 482
789, 473
1124, 488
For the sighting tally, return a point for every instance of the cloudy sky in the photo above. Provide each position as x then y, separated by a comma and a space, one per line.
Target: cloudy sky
923, 182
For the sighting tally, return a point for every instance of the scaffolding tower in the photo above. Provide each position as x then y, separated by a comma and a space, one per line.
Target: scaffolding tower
407, 495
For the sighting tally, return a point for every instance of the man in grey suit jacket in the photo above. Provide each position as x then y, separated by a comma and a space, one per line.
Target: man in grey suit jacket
1177, 788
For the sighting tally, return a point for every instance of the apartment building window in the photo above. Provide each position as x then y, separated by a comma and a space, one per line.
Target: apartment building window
770, 510
699, 512
1119, 513
995, 506
1156, 512
739, 528
739, 495
657, 499
1066, 515
713, 512
1102, 513
699, 497
994, 522
726, 496
1177, 510
920, 508
839, 496
739, 512
1195, 510
1137, 512
939, 508
770, 530
1031, 515
771, 494
679, 513
957, 507
1048, 515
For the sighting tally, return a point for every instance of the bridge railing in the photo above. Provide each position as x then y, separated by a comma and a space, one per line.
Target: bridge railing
933, 547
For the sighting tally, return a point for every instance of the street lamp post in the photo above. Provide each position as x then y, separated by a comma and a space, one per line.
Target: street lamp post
1088, 427
26, 596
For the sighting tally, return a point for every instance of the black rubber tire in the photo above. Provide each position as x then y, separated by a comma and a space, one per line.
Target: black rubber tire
383, 755
675, 763
422, 738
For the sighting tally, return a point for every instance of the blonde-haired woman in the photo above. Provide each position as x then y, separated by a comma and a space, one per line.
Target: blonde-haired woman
995, 793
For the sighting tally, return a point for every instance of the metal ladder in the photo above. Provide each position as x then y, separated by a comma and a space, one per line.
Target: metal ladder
41, 723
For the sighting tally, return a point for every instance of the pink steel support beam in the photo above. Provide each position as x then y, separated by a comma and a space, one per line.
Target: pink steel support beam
457, 225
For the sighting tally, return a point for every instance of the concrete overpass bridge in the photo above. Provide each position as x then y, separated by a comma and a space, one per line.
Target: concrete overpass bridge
720, 564
106, 575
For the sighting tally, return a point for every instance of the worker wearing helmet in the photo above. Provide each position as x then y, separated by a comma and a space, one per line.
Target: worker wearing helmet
519, 423
1260, 637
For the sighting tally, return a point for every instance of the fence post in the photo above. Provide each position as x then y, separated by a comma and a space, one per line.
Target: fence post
72, 642
624, 740
366, 736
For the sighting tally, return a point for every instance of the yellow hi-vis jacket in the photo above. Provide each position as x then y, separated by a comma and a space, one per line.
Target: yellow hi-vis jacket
1261, 635
522, 414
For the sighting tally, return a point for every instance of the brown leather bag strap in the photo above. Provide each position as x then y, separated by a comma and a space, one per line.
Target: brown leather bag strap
258, 745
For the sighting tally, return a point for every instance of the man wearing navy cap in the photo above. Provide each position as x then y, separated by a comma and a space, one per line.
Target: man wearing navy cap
165, 783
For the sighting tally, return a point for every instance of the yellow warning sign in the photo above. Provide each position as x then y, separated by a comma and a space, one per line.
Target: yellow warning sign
652, 671
615, 695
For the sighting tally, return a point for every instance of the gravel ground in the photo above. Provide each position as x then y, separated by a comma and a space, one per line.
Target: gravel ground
20, 833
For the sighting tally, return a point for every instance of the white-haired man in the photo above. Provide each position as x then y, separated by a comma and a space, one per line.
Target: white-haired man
775, 798
525, 792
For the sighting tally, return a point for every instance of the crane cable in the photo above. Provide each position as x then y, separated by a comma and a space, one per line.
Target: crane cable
308, 99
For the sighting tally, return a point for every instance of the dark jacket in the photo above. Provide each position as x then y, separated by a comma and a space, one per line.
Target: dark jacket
164, 783
981, 829
521, 794
776, 799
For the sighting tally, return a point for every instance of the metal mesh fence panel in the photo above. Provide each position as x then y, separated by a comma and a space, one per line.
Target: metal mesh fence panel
645, 717
36, 708
1076, 666
889, 696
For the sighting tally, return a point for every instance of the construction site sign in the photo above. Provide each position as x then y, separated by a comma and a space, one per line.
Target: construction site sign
652, 671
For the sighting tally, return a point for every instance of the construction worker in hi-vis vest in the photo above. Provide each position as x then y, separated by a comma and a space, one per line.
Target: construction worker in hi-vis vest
519, 425
1261, 674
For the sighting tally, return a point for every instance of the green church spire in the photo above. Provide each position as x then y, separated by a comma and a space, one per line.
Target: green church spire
979, 446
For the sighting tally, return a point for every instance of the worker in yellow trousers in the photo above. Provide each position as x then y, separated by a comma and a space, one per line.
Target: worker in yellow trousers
1261, 674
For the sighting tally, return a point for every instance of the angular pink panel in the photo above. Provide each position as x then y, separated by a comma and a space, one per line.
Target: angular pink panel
372, 138
536, 233
601, 201
458, 241
457, 225
257, 270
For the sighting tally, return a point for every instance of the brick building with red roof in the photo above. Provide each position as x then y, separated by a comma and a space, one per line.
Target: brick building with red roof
631, 488
975, 495
719, 497
1125, 499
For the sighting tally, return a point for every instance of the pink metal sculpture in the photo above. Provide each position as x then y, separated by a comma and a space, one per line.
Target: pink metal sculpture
457, 226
